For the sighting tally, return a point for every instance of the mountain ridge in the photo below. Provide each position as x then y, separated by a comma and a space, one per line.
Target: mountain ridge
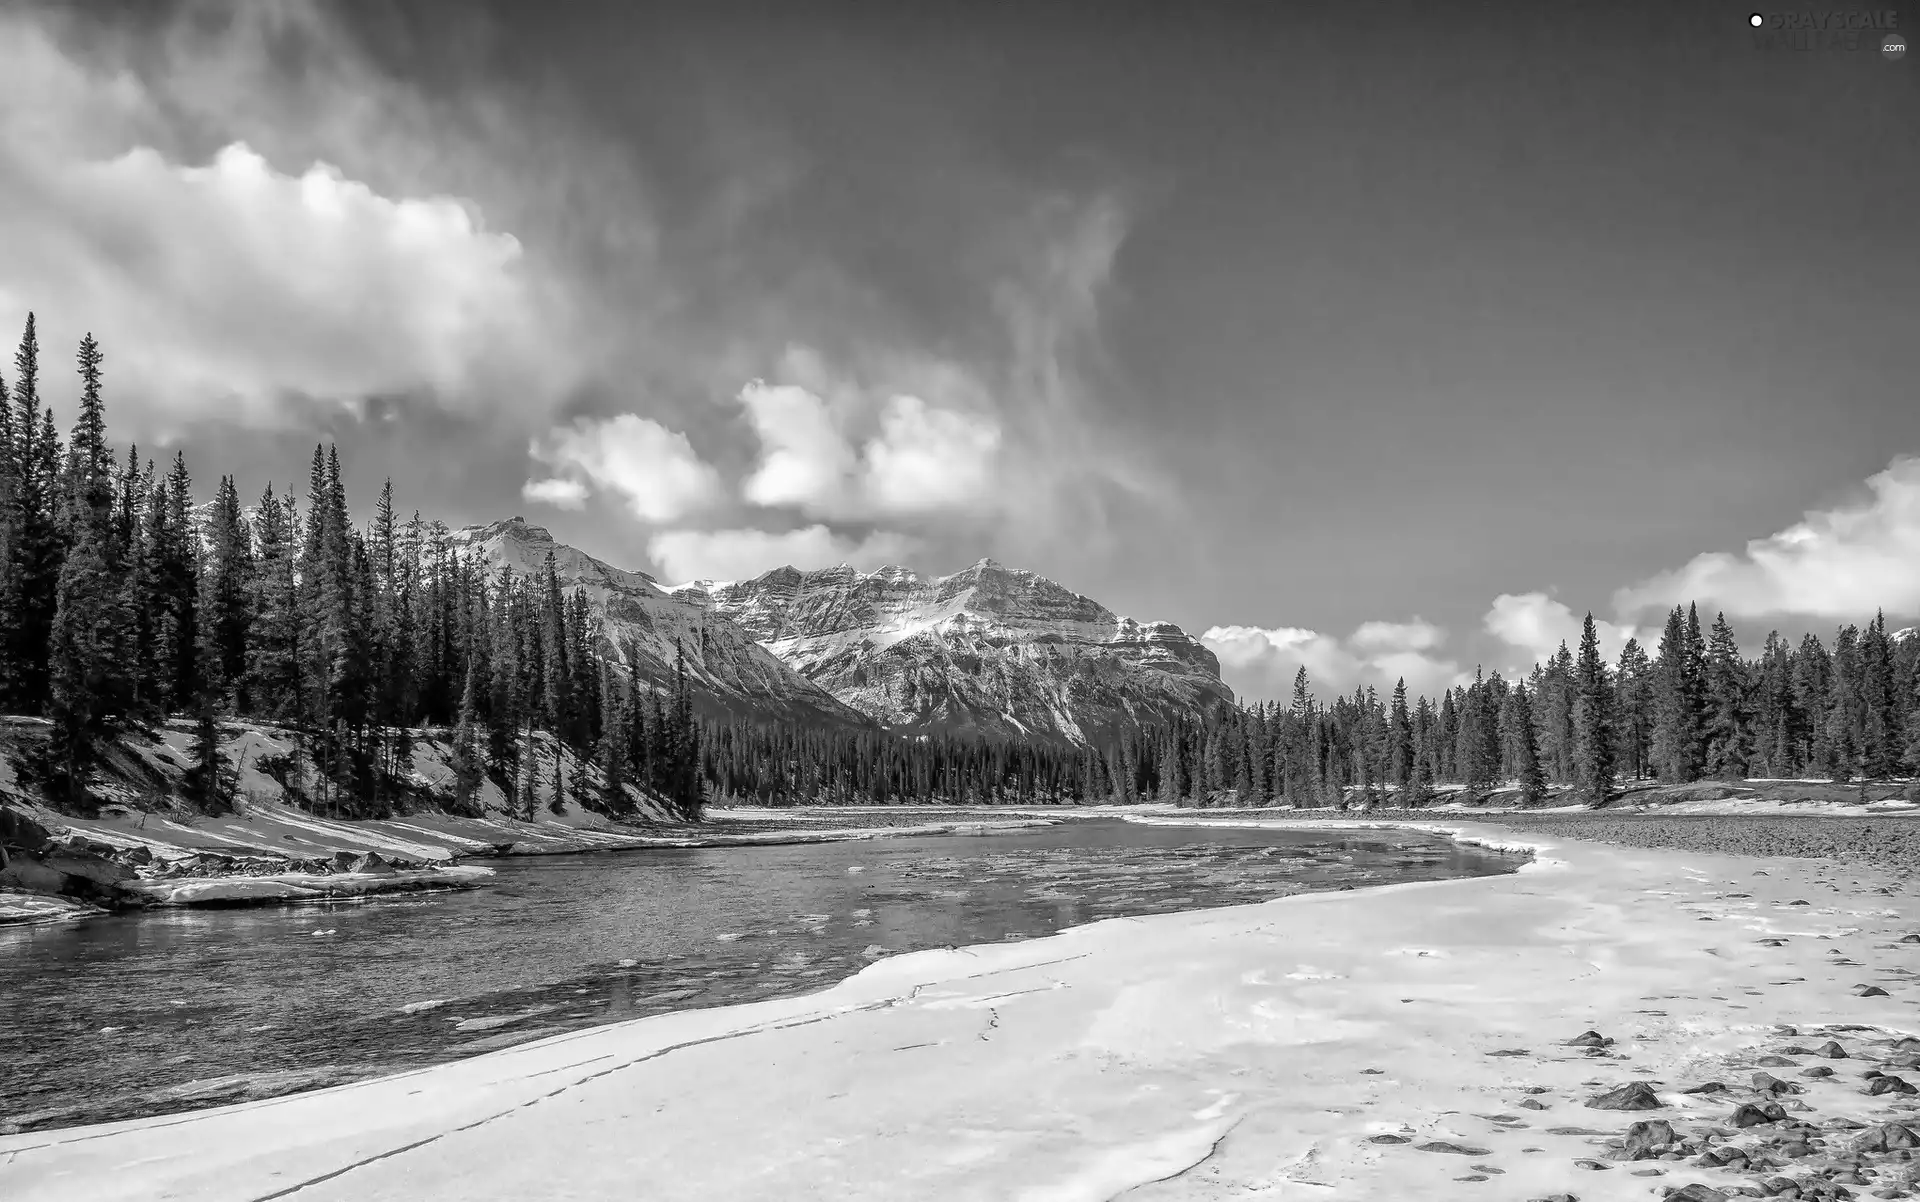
988, 649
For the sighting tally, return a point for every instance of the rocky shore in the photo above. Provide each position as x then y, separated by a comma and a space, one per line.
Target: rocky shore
47, 876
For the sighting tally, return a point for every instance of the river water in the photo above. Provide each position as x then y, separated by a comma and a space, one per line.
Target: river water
170, 1010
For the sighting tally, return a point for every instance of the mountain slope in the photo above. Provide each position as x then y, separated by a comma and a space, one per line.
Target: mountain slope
988, 650
732, 675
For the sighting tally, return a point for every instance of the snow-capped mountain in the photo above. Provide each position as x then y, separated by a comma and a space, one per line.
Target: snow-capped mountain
986, 650
731, 673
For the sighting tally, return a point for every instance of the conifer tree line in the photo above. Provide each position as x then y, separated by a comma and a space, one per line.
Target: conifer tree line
1694, 710
122, 603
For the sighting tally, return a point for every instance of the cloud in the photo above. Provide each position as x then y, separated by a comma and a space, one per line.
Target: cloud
741, 554
559, 493
1833, 563
921, 461
1260, 661
1536, 624
653, 469
1416, 635
233, 287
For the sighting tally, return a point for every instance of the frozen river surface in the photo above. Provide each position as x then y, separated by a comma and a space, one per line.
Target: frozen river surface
165, 1011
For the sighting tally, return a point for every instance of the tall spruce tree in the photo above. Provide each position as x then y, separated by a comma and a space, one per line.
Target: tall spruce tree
1727, 740
1593, 765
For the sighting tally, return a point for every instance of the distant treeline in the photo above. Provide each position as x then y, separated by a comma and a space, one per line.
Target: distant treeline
1695, 710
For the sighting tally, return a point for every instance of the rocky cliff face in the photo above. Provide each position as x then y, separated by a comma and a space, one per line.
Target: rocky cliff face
989, 650
731, 673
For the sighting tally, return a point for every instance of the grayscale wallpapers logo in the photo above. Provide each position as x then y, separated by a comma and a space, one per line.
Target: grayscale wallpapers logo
1830, 29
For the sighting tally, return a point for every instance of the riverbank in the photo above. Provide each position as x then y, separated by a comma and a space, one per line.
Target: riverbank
66, 869
1406, 1041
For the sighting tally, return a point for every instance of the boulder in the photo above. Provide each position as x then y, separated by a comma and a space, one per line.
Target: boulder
1647, 1140
1635, 1096
21, 833
1889, 1084
371, 863
1749, 1115
1831, 1050
1888, 1137
1768, 1083
1869, 991
139, 853
1589, 1039
70, 874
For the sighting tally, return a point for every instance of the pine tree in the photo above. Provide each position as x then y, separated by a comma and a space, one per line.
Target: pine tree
1399, 737
1524, 753
86, 656
468, 771
1676, 705
1592, 721
36, 548
1633, 727
1727, 737
209, 779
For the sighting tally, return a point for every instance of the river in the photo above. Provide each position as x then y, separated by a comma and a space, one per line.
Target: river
169, 1010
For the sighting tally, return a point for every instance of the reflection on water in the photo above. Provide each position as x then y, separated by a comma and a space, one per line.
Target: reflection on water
147, 1013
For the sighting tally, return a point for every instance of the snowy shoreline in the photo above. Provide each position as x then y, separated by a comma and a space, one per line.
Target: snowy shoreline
1255, 1049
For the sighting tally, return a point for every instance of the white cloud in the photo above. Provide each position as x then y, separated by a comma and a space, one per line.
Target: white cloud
805, 461
1260, 661
1536, 624
1834, 563
921, 460
559, 493
930, 460
740, 554
653, 469
223, 286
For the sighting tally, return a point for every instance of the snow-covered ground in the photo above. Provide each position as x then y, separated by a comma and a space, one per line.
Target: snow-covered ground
1238, 1053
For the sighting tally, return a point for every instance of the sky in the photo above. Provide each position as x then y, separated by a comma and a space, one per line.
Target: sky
1384, 340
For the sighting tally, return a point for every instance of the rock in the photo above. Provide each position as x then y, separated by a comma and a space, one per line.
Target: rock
1386, 1139
343, 861
1590, 1039
1915, 938
21, 833
1635, 1096
1869, 991
1646, 1140
372, 864
1831, 1050
1889, 1084
1531, 1104
1441, 1145
1695, 1193
1888, 1137
139, 853
1596, 1166
1818, 1070
1775, 1061
1709, 1087
1749, 1115
1768, 1083
1909, 1044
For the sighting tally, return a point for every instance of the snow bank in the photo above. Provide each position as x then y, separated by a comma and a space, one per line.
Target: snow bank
32, 909
302, 886
1229, 1053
